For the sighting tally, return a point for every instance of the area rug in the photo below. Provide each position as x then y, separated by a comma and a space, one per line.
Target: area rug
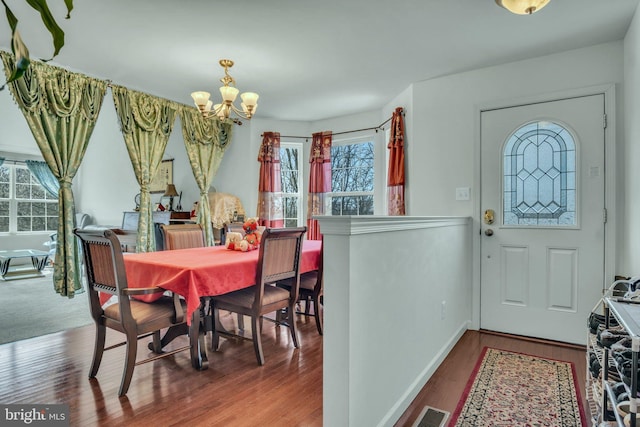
514, 389
31, 308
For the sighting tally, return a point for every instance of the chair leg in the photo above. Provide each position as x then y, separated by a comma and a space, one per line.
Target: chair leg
318, 312
215, 336
156, 345
307, 306
129, 364
256, 333
98, 350
240, 322
291, 317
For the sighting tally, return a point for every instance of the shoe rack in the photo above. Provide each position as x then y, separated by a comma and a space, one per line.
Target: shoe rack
627, 314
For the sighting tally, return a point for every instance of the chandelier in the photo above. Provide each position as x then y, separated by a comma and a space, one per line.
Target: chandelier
522, 7
229, 93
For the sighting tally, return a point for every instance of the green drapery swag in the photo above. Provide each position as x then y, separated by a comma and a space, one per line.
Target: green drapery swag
206, 141
61, 109
146, 122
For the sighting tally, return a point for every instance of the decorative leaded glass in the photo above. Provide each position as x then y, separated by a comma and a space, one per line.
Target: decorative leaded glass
540, 176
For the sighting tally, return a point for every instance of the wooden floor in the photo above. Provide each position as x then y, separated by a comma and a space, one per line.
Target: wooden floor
234, 391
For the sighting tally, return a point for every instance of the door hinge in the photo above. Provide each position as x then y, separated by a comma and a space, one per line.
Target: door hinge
604, 121
604, 215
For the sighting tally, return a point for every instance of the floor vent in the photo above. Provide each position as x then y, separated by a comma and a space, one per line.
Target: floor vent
431, 417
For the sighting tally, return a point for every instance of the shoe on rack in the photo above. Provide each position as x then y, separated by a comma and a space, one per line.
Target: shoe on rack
611, 336
596, 320
623, 344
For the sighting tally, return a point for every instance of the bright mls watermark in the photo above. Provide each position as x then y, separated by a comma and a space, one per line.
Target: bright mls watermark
34, 415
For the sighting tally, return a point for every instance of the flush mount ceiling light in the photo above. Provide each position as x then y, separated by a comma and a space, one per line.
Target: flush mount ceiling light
229, 92
522, 7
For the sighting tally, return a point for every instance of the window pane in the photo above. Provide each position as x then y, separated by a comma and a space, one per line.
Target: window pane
352, 167
23, 176
24, 223
352, 173
23, 191
4, 190
539, 176
290, 180
352, 205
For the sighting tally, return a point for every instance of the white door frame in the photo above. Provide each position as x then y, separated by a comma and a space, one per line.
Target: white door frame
611, 194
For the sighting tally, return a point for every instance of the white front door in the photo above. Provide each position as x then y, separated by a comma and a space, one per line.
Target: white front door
542, 258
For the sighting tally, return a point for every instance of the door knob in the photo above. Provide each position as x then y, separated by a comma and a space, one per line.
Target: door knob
488, 232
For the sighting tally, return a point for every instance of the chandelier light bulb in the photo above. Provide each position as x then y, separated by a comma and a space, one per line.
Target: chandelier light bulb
522, 7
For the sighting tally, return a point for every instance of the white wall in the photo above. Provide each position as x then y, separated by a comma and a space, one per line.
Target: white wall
630, 230
446, 117
397, 297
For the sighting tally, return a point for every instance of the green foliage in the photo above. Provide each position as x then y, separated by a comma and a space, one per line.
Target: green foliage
18, 47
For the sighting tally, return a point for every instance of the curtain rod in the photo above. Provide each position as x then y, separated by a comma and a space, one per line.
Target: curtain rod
376, 128
15, 162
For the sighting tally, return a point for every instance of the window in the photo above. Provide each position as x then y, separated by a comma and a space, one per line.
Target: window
291, 174
540, 176
352, 173
24, 205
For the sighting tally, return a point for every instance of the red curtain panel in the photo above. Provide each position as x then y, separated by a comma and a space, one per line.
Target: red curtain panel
395, 183
319, 181
269, 185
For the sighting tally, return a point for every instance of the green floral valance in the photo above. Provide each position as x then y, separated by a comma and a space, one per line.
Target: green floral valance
197, 130
56, 90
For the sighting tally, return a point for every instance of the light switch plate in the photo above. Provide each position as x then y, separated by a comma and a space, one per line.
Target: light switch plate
462, 193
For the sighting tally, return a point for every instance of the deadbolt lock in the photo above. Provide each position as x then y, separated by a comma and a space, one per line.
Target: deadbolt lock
488, 216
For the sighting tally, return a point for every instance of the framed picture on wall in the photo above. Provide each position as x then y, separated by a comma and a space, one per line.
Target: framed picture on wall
163, 177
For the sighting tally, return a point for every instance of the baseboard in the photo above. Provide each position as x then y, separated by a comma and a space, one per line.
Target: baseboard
533, 339
414, 388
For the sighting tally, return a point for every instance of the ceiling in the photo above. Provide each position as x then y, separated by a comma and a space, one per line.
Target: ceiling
308, 59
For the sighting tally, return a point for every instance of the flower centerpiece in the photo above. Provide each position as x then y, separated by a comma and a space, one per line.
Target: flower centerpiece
251, 239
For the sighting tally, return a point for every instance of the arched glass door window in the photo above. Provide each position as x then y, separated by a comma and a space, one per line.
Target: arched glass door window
540, 176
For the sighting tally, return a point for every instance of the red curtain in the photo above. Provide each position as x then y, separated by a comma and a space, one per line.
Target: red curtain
269, 186
395, 183
319, 181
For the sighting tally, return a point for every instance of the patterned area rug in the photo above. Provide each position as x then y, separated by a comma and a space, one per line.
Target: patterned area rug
514, 389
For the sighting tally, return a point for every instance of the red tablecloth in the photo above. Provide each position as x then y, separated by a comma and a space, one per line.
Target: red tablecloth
199, 272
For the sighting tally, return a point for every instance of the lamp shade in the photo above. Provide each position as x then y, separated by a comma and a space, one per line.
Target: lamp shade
228, 93
522, 7
171, 191
249, 99
200, 97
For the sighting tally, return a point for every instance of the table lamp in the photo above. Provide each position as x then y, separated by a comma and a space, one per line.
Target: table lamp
171, 192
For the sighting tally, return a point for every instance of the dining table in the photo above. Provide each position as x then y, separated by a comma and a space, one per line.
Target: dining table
197, 273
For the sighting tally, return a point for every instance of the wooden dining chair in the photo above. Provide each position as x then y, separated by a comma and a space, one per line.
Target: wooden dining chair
278, 260
105, 273
182, 236
310, 291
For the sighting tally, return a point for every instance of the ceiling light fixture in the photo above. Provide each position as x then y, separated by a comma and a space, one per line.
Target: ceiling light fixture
229, 93
522, 7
